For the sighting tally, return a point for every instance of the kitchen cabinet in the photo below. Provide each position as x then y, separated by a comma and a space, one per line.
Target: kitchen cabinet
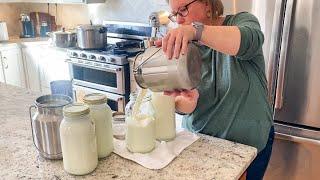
53, 1
12, 66
83, 1
31, 57
52, 66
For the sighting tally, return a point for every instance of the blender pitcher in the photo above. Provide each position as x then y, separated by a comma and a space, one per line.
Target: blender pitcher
153, 70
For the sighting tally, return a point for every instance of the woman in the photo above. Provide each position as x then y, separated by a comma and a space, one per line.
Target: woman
231, 99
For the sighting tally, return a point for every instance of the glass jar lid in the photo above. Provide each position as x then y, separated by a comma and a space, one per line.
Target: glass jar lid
95, 98
75, 109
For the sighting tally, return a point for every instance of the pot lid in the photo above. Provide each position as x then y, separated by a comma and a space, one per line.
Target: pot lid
62, 32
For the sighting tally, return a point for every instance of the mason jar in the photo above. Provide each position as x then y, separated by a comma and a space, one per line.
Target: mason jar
101, 114
78, 140
140, 127
165, 118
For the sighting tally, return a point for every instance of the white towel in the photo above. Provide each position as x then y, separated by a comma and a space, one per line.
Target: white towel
163, 153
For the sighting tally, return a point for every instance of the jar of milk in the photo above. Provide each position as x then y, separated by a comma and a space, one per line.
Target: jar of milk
78, 140
165, 119
140, 123
101, 114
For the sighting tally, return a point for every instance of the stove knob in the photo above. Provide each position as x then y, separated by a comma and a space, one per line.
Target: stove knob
84, 56
101, 58
74, 54
113, 60
92, 57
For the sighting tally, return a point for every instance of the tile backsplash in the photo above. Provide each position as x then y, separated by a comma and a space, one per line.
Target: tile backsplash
71, 15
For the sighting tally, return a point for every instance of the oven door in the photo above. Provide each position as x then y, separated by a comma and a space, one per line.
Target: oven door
116, 102
101, 76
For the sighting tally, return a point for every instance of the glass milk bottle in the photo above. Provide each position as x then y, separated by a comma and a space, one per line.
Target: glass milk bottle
78, 140
140, 134
101, 114
165, 119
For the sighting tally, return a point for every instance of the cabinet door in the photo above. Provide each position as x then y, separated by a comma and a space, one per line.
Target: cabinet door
53, 66
1, 70
13, 67
31, 58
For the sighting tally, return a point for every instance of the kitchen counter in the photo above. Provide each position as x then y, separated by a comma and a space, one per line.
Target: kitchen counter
14, 41
207, 158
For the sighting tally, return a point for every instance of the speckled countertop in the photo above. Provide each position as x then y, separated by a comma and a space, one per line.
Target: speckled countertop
207, 158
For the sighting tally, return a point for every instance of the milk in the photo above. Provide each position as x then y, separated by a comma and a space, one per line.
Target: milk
102, 116
136, 106
78, 143
140, 135
165, 121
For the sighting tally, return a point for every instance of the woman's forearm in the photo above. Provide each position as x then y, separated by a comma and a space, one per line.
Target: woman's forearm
225, 39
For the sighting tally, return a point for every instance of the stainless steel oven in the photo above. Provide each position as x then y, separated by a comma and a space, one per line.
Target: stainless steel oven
101, 76
107, 70
115, 101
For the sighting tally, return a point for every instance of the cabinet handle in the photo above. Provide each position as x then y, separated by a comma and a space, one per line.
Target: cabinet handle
5, 64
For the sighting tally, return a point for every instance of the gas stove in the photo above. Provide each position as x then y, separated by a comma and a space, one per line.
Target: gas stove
107, 70
112, 54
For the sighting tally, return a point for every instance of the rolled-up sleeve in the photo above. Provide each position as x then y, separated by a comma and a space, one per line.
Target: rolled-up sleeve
251, 36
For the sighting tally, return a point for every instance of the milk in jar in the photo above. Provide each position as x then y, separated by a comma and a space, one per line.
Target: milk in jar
140, 134
78, 140
164, 107
101, 114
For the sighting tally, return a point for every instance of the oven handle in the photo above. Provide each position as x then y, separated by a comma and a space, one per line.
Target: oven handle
112, 70
109, 95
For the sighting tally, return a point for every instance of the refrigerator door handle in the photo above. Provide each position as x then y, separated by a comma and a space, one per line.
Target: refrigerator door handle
283, 54
296, 139
274, 49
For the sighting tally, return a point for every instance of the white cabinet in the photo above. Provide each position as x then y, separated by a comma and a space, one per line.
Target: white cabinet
53, 66
12, 66
31, 57
83, 1
53, 1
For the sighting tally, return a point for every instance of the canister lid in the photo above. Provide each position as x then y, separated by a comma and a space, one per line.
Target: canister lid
75, 109
95, 98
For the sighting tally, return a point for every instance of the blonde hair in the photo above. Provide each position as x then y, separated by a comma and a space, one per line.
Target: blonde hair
217, 7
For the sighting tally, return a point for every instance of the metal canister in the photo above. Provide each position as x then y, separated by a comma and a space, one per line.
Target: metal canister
153, 70
45, 124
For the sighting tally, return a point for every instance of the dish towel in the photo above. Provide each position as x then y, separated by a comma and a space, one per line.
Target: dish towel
163, 153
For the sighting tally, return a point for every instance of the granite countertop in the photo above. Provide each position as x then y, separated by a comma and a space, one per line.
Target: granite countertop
207, 158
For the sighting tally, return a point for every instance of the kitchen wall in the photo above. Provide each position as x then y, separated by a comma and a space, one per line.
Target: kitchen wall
70, 16
139, 10
66, 14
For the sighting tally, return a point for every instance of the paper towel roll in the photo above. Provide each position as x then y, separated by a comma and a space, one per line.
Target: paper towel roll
3, 31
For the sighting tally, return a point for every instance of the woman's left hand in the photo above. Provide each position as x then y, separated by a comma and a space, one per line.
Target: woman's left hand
176, 40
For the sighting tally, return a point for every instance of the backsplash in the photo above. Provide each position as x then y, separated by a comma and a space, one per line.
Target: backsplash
71, 15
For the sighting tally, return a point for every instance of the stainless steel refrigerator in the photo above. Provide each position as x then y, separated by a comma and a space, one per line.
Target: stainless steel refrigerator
294, 85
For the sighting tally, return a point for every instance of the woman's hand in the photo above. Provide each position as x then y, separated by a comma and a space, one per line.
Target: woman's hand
186, 101
176, 40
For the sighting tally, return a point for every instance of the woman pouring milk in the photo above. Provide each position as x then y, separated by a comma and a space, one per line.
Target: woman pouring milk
231, 99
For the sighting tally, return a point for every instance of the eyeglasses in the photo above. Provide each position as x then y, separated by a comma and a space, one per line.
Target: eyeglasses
182, 11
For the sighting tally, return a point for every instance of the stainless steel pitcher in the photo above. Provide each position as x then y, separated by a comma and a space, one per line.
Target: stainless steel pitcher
153, 70
45, 124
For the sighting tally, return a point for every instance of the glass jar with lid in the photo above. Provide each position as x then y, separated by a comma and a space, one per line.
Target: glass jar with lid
165, 118
78, 140
140, 126
101, 114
